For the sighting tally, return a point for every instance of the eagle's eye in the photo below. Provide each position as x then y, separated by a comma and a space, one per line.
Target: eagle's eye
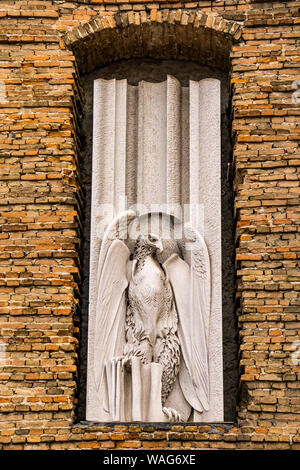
152, 238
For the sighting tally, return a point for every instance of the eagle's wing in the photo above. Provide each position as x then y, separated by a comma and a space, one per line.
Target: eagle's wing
110, 308
190, 280
112, 280
117, 230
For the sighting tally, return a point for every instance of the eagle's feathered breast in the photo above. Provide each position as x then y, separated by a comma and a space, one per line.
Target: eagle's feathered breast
151, 320
147, 291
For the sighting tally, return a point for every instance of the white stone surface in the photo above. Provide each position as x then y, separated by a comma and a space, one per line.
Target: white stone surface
132, 144
152, 117
173, 142
159, 143
205, 188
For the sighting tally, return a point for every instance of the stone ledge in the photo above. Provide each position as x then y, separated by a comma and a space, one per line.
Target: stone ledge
151, 427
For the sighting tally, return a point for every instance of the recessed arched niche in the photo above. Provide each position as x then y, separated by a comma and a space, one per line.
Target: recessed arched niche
158, 140
157, 148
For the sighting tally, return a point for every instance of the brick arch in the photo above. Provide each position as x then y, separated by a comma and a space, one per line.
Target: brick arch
159, 34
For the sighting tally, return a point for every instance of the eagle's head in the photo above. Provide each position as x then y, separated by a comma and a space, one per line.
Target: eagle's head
155, 242
148, 245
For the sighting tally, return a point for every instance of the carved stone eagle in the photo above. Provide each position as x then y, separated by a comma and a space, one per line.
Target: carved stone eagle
151, 318
154, 305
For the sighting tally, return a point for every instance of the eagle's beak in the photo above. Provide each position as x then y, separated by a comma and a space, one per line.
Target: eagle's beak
159, 246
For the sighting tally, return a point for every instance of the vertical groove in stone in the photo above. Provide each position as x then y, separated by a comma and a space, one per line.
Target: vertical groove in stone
103, 143
185, 148
140, 160
132, 145
119, 158
152, 143
173, 141
194, 166
109, 141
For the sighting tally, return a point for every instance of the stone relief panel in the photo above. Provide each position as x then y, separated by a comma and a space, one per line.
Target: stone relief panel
155, 316
152, 316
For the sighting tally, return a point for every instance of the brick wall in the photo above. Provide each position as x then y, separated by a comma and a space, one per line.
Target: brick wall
41, 210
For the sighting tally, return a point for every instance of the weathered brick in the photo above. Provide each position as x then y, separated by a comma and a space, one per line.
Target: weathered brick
41, 211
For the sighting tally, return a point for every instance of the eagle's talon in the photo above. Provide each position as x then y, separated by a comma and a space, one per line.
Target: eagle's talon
117, 359
124, 360
126, 363
173, 415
